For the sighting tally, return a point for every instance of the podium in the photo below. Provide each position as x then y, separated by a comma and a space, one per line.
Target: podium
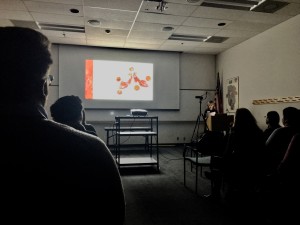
219, 122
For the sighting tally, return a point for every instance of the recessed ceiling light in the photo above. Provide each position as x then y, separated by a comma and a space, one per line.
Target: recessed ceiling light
221, 24
94, 23
74, 10
167, 28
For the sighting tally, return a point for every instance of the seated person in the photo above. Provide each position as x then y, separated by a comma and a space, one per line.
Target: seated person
50, 173
69, 110
279, 140
242, 162
288, 168
284, 194
272, 120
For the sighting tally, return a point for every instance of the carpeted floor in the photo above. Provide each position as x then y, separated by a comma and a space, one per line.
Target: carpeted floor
160, 198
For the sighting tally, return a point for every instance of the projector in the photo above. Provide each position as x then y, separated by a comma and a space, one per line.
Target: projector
138, 112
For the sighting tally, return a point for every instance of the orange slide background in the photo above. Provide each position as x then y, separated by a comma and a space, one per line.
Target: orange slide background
88, 79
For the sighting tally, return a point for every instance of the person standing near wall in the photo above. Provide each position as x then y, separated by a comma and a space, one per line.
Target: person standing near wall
209, 111
49, 173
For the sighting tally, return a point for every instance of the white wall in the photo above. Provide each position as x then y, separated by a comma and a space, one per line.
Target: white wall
197, 76
268, 66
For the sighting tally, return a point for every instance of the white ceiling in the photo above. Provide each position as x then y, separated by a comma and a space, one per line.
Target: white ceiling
137, 24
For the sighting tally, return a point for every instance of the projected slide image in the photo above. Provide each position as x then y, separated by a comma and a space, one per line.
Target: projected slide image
116, 80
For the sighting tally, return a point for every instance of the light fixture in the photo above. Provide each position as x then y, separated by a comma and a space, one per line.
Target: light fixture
73, 10
167, 28
162, 6
94, 23
221, 24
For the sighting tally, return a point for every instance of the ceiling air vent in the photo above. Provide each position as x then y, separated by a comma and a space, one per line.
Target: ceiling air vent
61, 27
231, 4
182, 37
216, 39
269, 6
266, 6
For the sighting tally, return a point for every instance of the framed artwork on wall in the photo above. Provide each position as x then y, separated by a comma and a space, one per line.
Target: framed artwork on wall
232, 95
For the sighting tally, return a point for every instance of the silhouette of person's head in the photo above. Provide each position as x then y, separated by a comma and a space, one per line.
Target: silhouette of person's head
291, 116
67, 110
25, 59
244, 119
272, 118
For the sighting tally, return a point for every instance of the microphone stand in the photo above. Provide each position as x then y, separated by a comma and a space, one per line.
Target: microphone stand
195, 135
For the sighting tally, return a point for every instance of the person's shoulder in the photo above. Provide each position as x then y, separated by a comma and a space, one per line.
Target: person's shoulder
280, 130
69, 135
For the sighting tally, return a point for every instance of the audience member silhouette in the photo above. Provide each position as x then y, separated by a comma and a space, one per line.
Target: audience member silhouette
272, 120
49, 173
284, 193
88, 126
289, 168
279, 140
242, 164
69, 110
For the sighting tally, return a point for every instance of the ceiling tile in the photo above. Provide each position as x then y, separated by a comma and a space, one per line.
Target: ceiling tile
148, 34
43, 7
160, 18
171, 8
258, 17
58, 19
12, 5
131, 5
141, 46
196, 30
203, 22
15, 15
156, 27
126, 25
146, 40
109, 14
241, 25
73, 2
217, 13
236, 33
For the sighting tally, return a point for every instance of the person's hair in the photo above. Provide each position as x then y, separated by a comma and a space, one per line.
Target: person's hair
210, 102
24, 60
244, 120
291, 116
273, 117
67, 109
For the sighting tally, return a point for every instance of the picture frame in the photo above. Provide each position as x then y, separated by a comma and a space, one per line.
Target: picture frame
232, 95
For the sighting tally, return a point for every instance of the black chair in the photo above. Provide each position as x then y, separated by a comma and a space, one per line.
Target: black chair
207, 150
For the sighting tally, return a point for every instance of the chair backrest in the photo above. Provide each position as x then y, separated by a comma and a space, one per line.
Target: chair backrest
211, 143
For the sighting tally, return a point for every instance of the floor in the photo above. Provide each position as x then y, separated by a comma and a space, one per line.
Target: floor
160, 198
